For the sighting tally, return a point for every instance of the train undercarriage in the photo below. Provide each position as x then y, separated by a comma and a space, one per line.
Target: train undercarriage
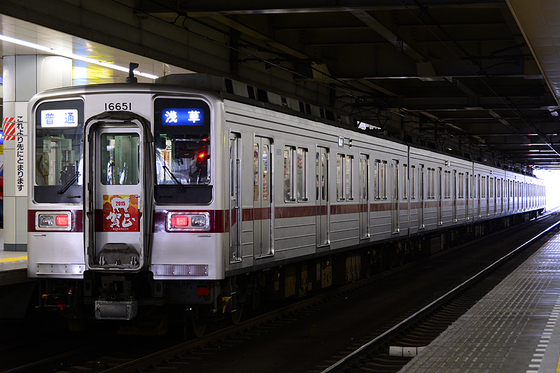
142, 305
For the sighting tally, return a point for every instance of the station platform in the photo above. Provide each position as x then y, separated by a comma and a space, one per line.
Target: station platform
514, 328
13, 265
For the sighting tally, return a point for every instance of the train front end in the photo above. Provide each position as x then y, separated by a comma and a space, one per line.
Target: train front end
121, 198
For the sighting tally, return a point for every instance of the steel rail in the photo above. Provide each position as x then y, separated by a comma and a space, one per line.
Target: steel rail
372, 345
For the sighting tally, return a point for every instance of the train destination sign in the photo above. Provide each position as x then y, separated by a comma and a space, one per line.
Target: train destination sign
59, 118
182, 117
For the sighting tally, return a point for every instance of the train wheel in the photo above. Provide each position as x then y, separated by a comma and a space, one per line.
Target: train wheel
195, 324
235, 317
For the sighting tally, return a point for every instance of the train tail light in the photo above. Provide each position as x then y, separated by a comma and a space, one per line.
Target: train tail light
182, 221
53, 220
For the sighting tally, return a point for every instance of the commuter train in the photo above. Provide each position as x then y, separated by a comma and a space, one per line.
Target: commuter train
146, 196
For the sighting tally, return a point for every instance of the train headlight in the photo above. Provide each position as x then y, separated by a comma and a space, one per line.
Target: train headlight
188, 221
53, 221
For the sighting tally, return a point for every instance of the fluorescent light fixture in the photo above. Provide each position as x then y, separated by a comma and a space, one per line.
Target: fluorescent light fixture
72, 55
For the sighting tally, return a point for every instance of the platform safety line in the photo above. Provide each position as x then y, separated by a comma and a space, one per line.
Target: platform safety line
14, 259
558, 366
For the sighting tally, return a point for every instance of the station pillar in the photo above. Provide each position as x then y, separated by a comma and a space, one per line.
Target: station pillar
24, 76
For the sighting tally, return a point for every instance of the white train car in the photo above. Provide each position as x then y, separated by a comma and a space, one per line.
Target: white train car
150, 195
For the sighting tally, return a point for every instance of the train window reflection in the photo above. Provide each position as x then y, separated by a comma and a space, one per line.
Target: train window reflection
182, 161
59, 159
119, 159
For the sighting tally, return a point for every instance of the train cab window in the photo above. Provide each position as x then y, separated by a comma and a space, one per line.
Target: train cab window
58, 151
182, 150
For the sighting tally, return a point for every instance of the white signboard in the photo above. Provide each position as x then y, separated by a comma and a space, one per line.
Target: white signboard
21, 159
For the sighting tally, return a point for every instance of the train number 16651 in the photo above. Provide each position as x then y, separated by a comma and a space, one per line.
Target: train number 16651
118, 106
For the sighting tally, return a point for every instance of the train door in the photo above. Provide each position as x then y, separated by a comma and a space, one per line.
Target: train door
454, 196
235, 254
439, 196
262, 197
467, 195
322, 196
478, 193
118, 204
421, 196
364, 196
395, 213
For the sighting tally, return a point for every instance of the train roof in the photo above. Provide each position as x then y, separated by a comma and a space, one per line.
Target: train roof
227, 88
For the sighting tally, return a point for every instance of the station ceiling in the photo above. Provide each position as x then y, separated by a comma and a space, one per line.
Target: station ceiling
478, 77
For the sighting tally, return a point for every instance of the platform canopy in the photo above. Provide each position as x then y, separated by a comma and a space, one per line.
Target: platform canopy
480, 79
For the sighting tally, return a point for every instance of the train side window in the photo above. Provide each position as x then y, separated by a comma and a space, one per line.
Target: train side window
412, 182
461, 184
265, 165
454, 185
348, 174
301, 174
256, 152
447, 184
325, 175
431, 184
383, 179
288, 173
380, 179
376, 167
405, 182
498, 188
340, 177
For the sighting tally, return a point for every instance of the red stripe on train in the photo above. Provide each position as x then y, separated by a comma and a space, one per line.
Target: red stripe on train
220, 219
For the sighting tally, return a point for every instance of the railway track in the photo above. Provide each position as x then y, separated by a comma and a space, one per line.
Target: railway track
393, 348
303, 325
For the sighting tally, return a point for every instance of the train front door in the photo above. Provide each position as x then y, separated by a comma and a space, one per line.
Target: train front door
322, 196
262, 197
118, 180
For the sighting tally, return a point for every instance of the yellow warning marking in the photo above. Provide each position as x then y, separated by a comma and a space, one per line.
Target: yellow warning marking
14, 259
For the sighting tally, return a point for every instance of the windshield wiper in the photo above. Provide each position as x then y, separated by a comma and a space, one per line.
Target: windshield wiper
181, 185
69, 183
